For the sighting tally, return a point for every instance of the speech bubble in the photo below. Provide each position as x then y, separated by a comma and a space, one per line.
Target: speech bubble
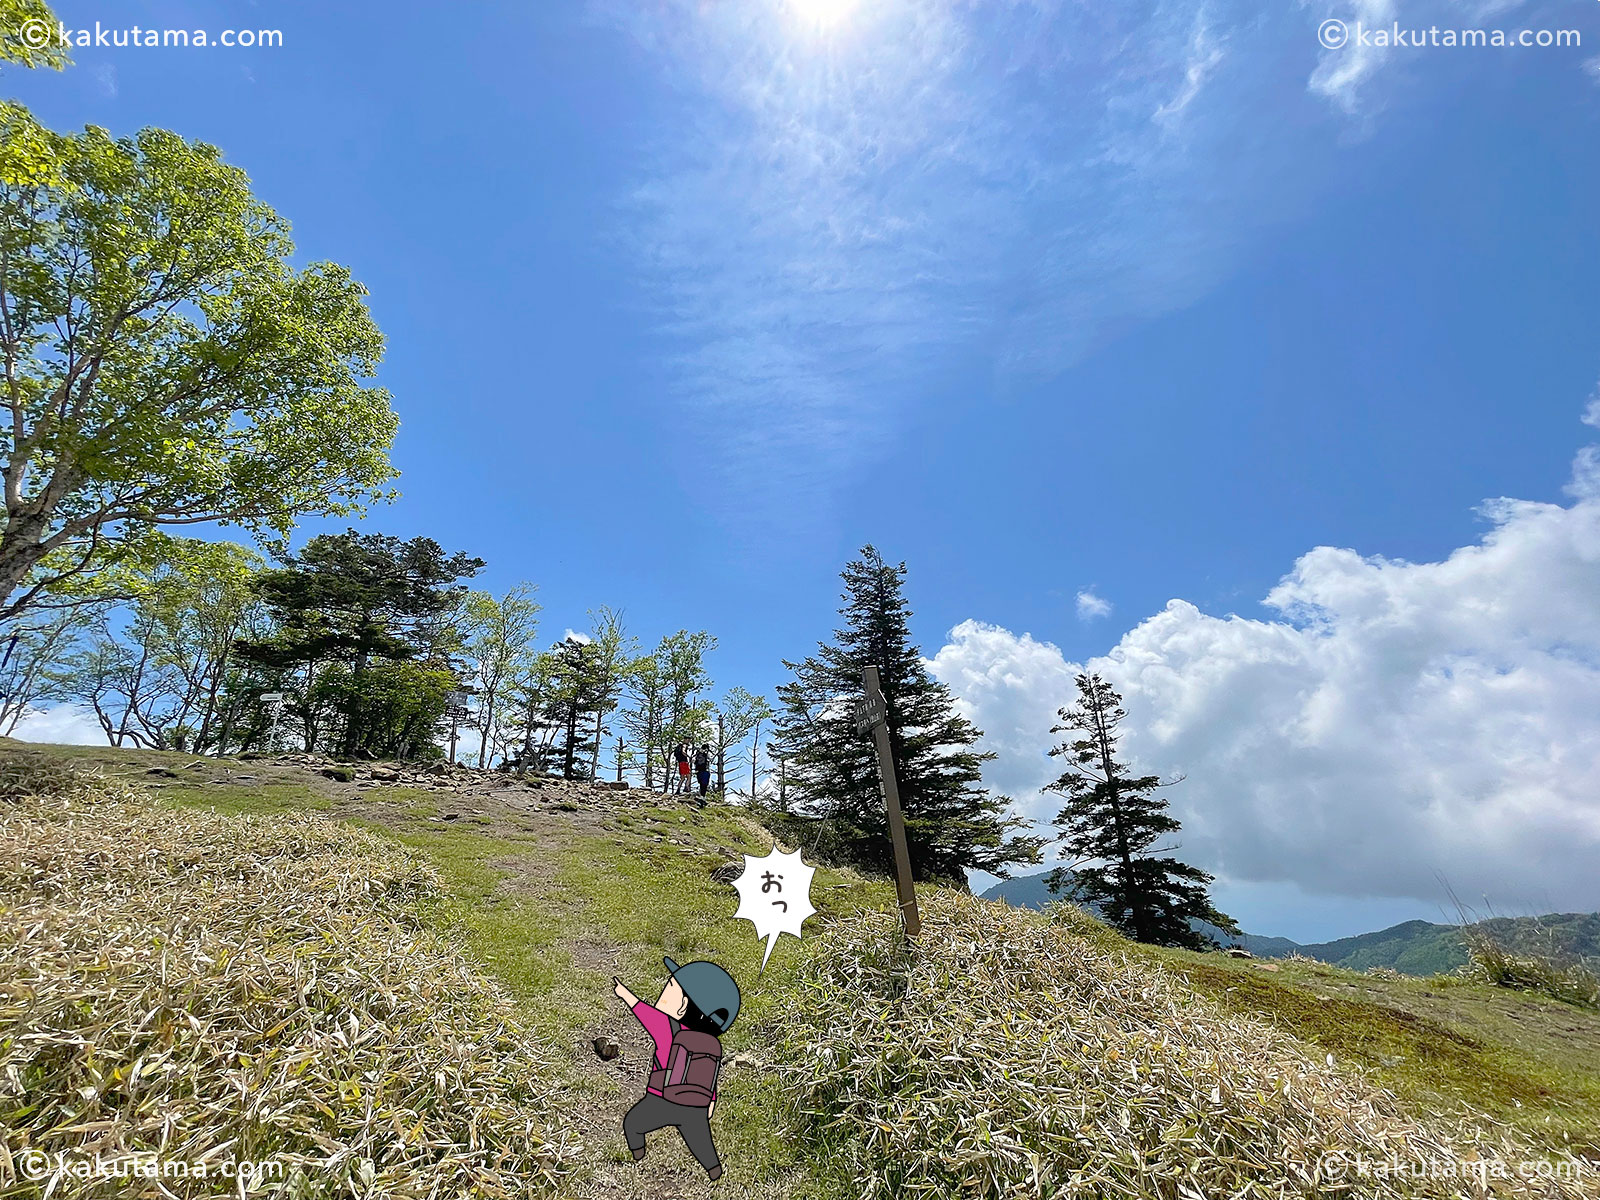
774, 895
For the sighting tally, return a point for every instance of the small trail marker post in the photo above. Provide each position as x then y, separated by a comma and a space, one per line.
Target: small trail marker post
275, 700
872, 716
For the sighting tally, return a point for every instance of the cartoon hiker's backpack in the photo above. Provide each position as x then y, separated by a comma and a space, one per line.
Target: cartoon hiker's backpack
690, 1076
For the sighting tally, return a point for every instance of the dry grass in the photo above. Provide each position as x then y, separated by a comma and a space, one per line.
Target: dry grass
1493, 963
1019, 1056
203, 988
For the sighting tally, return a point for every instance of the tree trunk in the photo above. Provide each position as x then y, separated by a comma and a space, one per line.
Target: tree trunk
569, 752
227, 728
211, 697
722, 760
133, 693
755, 751
1130, 895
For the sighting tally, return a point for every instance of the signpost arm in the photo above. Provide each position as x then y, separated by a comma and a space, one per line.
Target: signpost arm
905, 890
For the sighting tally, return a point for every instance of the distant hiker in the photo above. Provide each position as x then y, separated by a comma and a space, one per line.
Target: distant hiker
682, 755
698, 1003
702, 767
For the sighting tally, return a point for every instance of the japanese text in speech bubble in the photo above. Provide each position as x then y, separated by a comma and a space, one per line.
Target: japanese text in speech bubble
774, 896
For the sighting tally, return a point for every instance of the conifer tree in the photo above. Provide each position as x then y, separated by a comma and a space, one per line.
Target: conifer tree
1114, 820
952, 823
576, 692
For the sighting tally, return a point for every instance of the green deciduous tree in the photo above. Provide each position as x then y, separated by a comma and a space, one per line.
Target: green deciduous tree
20, 42
613, 651
202, 605
739, 715
394, 707
665, 707
500, 636
1113, 820
644, 715
29, 652
153, 674
164, 364
952, 823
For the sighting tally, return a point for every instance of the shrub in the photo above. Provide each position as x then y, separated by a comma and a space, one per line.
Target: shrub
1490, 962
199, 987
1005, 1055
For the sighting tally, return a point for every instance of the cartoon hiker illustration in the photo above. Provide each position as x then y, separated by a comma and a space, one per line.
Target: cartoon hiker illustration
698, 1003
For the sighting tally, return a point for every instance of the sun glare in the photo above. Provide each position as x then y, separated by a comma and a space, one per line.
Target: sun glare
821, 14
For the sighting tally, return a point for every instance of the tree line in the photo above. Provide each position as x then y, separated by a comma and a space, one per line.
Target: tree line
363, 645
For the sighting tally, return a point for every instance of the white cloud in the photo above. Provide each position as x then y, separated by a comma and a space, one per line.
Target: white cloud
831, 220
1011, 686
1342, 72
1091, 606
1394, 722
1204, 56
64, 726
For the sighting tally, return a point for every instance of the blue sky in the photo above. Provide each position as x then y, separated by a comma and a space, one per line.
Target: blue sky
688, 299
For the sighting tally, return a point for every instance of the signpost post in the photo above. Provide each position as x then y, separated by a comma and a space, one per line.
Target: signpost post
457, 700
872, 716
276, 700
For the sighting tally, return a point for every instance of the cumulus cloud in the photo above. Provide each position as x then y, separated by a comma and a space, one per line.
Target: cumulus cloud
1391, 723
64, 726
1091, 606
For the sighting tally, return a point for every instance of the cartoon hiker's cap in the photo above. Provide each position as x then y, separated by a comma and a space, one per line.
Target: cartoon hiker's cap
710, 987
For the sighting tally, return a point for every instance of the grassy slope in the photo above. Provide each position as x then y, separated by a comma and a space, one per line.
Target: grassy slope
1442, 1045
551, 916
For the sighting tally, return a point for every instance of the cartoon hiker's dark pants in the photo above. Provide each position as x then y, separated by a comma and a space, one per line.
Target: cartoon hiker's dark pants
655, 1112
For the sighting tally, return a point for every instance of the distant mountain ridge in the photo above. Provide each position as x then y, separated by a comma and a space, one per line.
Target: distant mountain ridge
1411, 947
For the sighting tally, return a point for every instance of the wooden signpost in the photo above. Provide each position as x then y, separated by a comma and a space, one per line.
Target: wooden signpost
872, 716
456, 701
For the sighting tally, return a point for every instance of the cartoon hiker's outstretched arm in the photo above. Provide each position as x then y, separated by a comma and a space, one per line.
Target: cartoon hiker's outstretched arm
623, 993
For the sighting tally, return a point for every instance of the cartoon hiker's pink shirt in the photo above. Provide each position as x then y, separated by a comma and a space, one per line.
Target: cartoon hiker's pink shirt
659, 1026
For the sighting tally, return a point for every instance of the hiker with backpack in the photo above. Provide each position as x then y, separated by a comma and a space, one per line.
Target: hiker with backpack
697, 1005
702, 767
681, 753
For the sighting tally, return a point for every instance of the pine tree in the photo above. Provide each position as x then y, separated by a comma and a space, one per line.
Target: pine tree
576, 692
1114, 819
952, 823
350, 602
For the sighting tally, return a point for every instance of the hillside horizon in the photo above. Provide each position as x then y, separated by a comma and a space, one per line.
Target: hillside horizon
1414, 947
